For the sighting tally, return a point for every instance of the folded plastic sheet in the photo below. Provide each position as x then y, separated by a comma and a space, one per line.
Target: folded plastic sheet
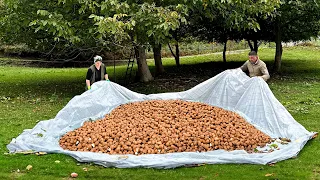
231, 90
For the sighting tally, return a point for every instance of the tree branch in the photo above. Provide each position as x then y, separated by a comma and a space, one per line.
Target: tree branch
172, 51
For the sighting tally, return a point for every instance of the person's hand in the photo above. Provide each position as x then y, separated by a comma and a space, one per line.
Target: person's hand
89, 87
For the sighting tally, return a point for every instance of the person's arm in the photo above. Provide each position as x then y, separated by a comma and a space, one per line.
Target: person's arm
106, 77
244, 67
88, 84
265, 73
88, 77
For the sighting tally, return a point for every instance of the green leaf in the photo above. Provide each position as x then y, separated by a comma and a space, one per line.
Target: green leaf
149, 32
166, 26
32, 23
44, 22
92, 16
133, 22
42, 12
37, 29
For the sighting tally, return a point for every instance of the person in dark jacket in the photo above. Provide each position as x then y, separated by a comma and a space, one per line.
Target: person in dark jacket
96, 72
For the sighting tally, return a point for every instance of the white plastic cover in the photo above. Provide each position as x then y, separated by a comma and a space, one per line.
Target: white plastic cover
231, 90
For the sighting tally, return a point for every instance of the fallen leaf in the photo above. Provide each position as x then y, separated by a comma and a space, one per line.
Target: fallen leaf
316, 171
123, 157
275, 146
29, 167
85, 169
267, 175
41, 153
24, 152
74, 175
314, 136
285, 139
57, 161
270, 150
194, 165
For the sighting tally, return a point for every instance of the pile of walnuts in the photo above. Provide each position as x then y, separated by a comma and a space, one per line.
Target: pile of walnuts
165, 126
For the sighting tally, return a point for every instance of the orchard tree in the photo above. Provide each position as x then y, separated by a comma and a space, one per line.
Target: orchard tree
47, 27
294, 20
146, 24
177, 36
214, 31
127, 20
2, 16
233, 14
222, 23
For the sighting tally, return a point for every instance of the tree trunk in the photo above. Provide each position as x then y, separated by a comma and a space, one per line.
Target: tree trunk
224, 52
255, 45
250, 45
177, 57
278, 54
157, 59
144, 74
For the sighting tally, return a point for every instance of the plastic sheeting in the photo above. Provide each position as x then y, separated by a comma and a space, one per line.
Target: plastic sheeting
232, 90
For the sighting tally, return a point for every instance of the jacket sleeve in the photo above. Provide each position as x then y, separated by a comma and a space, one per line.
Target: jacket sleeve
244, 67
265, 72
89, 74
105, 70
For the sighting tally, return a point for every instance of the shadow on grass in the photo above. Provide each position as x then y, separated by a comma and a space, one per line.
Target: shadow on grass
174, 79
181, 78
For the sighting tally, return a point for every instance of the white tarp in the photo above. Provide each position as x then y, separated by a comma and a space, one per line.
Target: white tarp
231, 90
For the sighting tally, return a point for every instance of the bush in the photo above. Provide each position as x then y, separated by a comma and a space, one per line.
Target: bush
21, 50
308, 44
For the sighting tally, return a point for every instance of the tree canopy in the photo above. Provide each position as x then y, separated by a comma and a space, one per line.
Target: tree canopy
113, 21
294, 20
90, 26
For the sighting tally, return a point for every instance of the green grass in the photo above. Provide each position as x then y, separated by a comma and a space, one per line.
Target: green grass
29, 95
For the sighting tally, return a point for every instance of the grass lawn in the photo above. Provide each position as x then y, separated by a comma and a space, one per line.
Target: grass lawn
29, 95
